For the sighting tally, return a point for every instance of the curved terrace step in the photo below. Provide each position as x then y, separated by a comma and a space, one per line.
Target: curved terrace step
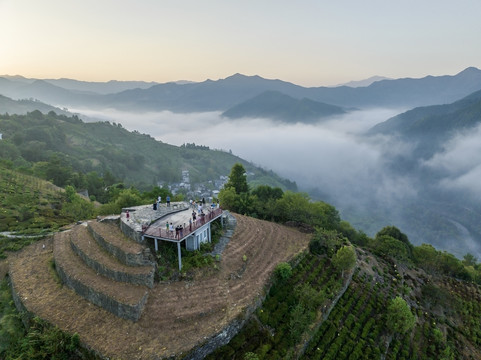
104, 263
111, 238
122, 299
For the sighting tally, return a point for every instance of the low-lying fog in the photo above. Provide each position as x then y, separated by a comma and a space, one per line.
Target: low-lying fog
332, 157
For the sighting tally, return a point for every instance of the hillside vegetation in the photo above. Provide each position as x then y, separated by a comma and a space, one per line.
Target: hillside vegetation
70, 152
29, 202
388, 308
348, 297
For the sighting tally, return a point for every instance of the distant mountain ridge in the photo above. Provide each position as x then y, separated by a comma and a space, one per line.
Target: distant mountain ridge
223, 94
22, 107
97, 87
464, 113
276, 105
365, 82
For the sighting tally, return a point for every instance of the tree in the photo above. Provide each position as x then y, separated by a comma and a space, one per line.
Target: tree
228, 198
283, 271
265, 192
427, 257
469, 260
386, 245
400, 319
395, 233
326, 242
58, 170
309, 297
75, 207
238, 179
344, 259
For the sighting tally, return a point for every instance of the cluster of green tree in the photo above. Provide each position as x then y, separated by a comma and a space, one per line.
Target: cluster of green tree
68, 151
194, 146
390, 242
272, 203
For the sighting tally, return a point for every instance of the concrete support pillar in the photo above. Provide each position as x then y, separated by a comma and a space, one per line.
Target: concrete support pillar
156, 245
178, 253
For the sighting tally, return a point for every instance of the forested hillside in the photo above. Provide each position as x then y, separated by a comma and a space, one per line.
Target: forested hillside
68, 151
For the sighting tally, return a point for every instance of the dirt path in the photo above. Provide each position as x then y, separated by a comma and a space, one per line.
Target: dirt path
178, 315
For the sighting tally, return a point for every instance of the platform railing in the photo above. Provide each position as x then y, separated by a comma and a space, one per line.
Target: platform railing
159, 231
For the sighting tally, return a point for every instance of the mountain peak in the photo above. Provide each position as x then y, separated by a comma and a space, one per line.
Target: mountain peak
469, 71
365, 82
239, 76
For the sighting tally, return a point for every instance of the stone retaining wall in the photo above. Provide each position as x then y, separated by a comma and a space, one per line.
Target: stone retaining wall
140, 259
131, 233
138, 279
130, 312
25, 315
225, 336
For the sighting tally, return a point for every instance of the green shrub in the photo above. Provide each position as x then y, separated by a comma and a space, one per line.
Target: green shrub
283, 271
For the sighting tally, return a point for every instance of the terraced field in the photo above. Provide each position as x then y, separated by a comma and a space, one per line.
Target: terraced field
178, 316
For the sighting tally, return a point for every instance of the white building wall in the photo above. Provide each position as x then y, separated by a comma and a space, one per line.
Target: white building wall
198, 237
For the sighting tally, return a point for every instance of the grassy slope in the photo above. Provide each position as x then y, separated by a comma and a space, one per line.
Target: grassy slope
28, 202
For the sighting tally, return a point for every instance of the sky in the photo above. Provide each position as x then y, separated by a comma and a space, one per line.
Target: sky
310, 43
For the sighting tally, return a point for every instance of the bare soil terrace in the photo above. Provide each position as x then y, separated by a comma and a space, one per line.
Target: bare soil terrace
179, 315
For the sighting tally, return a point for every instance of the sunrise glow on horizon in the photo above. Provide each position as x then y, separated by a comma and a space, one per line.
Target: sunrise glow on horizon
310, 43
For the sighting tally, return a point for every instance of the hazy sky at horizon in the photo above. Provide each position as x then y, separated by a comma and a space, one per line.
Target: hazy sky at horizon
311, 43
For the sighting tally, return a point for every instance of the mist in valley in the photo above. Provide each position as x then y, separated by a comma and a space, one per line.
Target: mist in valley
333, 160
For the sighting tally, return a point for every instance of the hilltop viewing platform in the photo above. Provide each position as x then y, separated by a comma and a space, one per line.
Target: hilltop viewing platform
159, 230
179, 222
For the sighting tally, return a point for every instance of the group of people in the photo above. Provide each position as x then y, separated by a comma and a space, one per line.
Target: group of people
179, 230
159, 201
197, 204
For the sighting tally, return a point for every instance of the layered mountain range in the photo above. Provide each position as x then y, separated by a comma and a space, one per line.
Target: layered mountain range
244, 95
